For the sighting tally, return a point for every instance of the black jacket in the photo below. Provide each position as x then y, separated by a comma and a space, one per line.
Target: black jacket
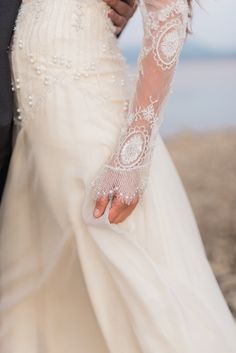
8, 13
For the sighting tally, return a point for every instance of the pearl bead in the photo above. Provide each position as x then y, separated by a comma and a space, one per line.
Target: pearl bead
45, 81
30, 100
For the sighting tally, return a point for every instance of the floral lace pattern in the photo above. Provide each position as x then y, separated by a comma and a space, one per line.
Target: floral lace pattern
125, 174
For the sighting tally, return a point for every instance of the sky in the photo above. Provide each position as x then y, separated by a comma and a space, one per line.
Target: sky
214, 26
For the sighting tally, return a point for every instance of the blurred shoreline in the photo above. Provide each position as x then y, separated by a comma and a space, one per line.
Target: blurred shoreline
203, 96
207, 165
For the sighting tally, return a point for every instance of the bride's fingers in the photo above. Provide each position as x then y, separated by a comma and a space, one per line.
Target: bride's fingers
100, 206
117, 207
120, 211
126, 213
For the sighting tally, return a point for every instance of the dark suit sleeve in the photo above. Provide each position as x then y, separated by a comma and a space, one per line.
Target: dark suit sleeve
8, 13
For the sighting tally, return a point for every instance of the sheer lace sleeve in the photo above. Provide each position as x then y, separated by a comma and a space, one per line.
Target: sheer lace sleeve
125, 174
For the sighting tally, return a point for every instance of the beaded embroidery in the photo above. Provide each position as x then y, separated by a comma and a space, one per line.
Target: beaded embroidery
57, 66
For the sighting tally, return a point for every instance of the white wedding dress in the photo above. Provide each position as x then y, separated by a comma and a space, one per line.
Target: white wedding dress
70, 282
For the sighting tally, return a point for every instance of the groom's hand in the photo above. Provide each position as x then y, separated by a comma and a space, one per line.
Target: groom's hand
121, 12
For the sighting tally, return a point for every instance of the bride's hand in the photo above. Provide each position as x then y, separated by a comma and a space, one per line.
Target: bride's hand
118, 212
121, 12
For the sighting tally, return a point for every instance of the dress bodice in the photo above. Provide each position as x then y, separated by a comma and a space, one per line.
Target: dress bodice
66, 40
83, 26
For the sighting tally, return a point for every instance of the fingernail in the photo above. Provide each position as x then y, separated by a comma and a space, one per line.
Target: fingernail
96, 212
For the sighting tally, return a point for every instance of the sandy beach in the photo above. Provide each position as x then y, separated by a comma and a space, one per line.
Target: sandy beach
207, 165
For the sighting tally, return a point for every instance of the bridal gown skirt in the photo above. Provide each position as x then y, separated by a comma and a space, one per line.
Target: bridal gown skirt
68, 282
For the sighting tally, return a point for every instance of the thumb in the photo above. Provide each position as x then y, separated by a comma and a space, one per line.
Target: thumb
100, 206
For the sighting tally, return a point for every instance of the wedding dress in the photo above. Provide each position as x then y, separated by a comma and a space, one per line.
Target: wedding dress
70, 282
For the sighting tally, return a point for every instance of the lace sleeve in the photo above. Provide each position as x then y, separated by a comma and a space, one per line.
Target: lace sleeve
125, 174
